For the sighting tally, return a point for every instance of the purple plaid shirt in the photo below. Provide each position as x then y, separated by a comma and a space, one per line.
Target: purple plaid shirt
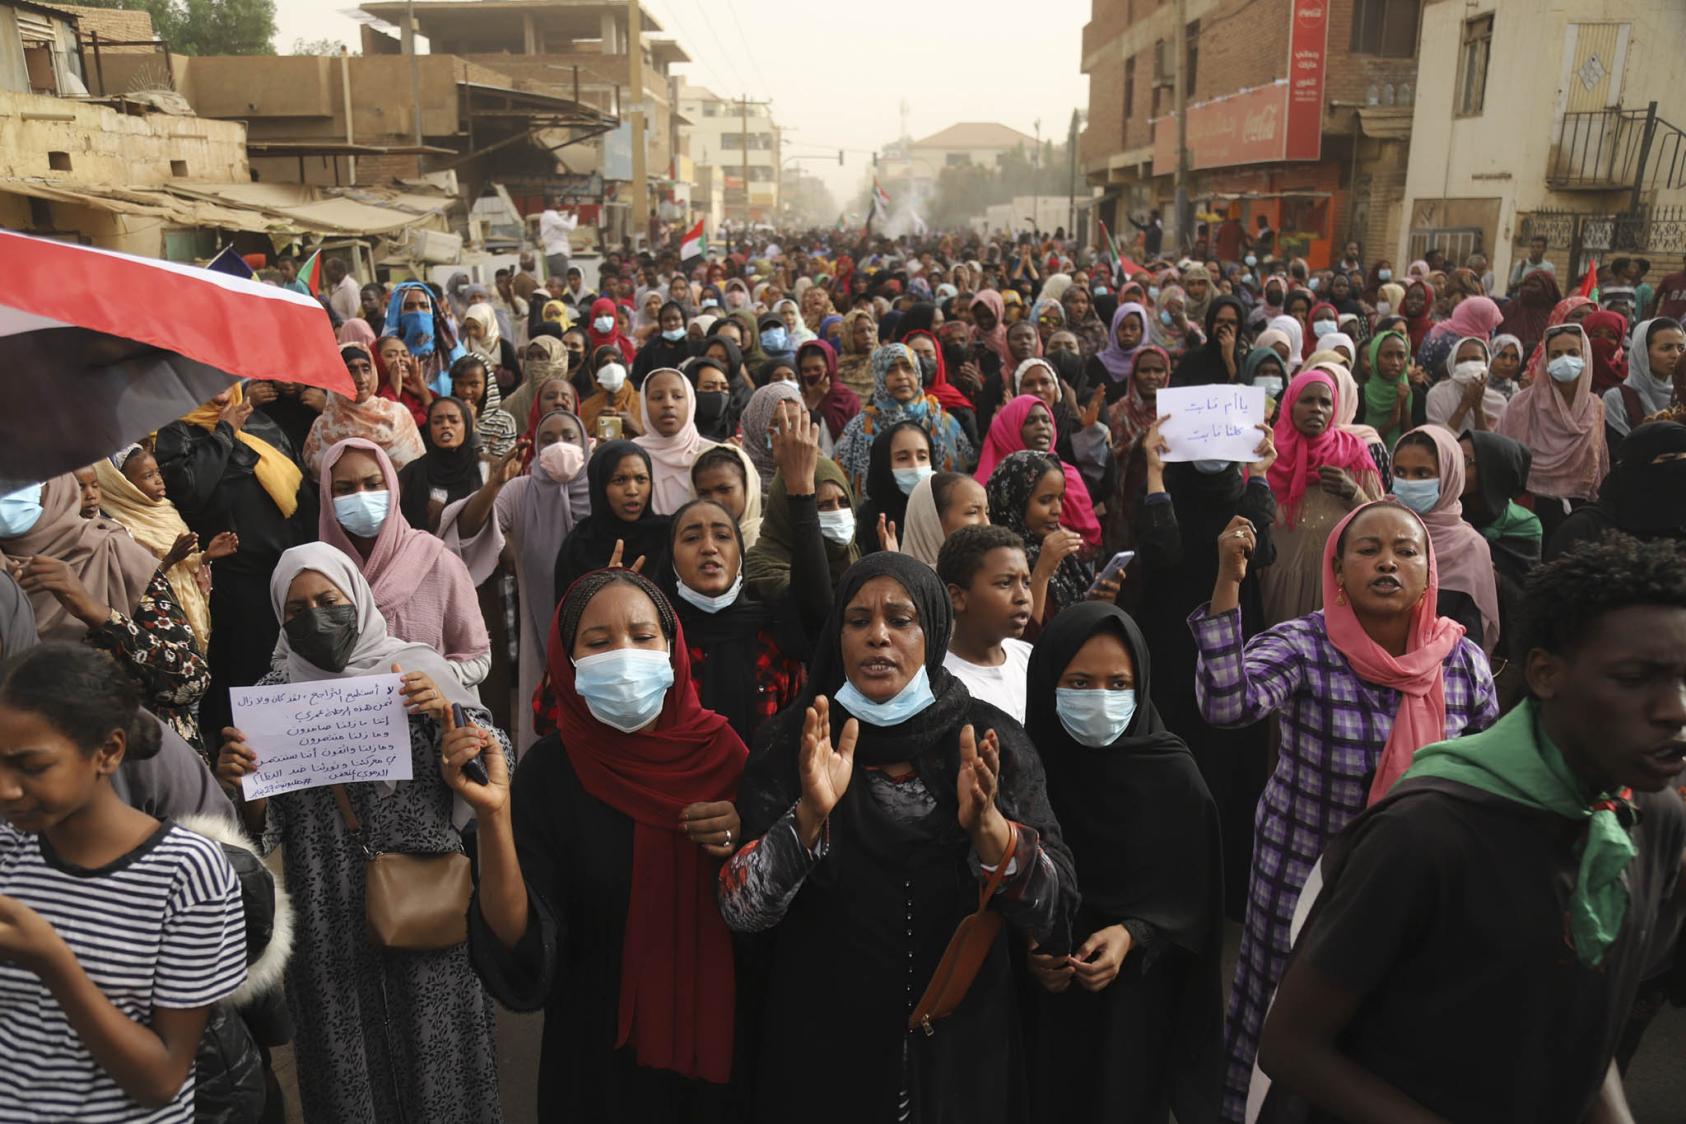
1333, 727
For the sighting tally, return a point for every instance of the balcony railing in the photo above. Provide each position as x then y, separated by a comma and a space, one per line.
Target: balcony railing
1617, 150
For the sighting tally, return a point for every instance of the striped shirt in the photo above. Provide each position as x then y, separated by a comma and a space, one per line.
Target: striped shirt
161, 926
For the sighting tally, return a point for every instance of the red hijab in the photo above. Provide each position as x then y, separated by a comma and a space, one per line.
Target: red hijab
1609, 361
1311, 345
677, 986
1417, 326
946, 392
840, 403
1298, 457
603, 306
1006, 437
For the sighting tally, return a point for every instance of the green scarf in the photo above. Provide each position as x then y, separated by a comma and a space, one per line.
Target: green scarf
1380, 393
1515, 760
1516, 522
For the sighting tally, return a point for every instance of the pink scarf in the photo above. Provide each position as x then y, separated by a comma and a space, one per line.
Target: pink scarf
1463, 560
422, 590
1416, 675
1005, 438
996, 338
1567, 439
1298, 457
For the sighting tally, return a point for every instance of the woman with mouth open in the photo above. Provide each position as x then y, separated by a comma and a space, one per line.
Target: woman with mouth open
1358, 687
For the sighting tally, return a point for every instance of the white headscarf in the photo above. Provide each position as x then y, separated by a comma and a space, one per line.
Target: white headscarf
1654, 394
671, 458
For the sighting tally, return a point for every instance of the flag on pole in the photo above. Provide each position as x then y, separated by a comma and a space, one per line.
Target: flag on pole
1589, 283
1122, 267
694, 244
230, 262
310, 273
879, 197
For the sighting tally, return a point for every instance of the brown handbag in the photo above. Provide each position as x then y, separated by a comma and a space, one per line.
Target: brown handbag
418, 903
967, 949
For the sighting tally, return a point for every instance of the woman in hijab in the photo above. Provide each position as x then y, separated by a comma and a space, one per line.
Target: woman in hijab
1561, 422
1465, 399
494, 427
604, 330
533, 513
667, 346
899, 395
1321, 473
901, 458
989, 326
1417, 307
939, 504
1474, 317
1112, 365
89, 581
426, 1009
413, 316
1270, 307
1644, 495
1198, 285
1377, 664
1573, 309
670, 437
422, 590
827, 399
621, 528
1082, 321
1026, 422
450, 469
612, 395
483, 339
1291, 327
1388, 394
758, 436
223, 476
383, 421
1428, 478
860, 338
1653, 365
945, 783
599, 864
1130, 1023
831, 508
1218, 359
546, 358
1528, 312
1608, 334
1027, 496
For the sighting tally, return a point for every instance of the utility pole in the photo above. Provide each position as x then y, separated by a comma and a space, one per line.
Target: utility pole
409, 48
743, 102
1071, 183
1179, 63
635, 80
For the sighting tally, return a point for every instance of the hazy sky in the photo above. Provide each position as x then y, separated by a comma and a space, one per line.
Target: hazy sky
838, 81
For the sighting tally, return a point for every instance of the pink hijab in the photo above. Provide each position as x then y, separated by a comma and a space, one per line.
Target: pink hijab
1005, 438
357, 330
1473, 316
422, 589
1559, 315
1566, 438
1416, 675
1462, 557
996, 338
1298, 457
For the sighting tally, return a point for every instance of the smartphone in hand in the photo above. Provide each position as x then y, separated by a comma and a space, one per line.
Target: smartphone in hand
475, 770
1119, 563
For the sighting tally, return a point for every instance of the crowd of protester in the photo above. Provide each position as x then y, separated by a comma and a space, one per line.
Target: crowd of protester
872, 722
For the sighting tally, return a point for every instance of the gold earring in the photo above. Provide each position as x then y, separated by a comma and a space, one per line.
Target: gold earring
1340, 596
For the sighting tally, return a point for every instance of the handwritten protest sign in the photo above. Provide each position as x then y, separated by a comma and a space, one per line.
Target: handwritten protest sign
1211, 423
332, 731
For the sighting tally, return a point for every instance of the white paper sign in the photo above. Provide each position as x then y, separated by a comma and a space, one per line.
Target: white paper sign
1212, 423
333, 731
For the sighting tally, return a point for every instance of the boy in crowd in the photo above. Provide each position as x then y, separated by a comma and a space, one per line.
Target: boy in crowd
988, 583
1482, 932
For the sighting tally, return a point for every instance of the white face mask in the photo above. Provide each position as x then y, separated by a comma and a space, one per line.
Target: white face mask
706, 603
1566, 368
838, 526
611, 377
604, 325
1383, 308
1270, 384
1469, 371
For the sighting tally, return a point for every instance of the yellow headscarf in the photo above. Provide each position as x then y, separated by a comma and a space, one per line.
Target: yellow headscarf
156, 525
276, 471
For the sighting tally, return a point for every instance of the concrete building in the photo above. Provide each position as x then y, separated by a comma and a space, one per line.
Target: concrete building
714, 133
1550, 118
911, 167
1298, 110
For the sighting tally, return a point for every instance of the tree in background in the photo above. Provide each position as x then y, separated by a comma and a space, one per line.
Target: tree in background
318, 47
965, 191
207, 27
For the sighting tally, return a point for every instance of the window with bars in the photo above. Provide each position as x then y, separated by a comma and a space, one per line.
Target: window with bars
1385, 27
1472, 65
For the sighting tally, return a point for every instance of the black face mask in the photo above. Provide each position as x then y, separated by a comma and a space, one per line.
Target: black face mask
927, 369
324, 635
711, 407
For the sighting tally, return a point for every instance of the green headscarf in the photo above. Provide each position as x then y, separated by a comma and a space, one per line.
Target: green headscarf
1257, 358
1515, 522
1515, 760
1380, 395
766, 567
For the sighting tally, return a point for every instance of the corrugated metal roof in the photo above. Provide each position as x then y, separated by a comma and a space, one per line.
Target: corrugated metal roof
260, 207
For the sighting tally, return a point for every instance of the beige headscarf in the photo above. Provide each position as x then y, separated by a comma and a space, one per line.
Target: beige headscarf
157, 525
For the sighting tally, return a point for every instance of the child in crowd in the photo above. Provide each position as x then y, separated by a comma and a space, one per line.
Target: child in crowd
988, 583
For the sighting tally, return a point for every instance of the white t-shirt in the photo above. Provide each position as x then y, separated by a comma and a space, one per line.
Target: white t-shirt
160, 927
1003, 686
553, 232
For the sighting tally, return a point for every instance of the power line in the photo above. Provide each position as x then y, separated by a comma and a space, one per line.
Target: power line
709, 66
743, 41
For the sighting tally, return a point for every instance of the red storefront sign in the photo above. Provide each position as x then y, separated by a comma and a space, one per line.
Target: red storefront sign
1281, 121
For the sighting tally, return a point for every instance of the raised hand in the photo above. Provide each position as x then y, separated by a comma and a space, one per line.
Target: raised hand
423, 696
1266, 452
1235, 547
459, 746
825, 771
615, 559
186, 543
887, 540
796, 447
976, 786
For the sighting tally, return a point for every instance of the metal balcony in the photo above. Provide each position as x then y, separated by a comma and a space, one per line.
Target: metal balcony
1617, 150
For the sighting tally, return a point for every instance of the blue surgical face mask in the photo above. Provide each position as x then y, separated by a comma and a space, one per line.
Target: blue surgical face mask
1323, 327
416, 325
838, 526
706, 603
908, 479
1312, 284
1210, 468
1250, 260
673, 335
1094, 718
1384, 275
1566, 368
773, 339
1418, 495
20, 511
1165, 318
363, 513
908, 701
624, 688
1153, 292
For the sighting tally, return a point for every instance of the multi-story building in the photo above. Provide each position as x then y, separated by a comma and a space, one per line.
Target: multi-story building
1553, 119
716, 129
1298, 110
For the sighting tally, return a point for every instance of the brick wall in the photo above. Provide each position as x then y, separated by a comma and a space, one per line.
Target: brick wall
125, 25
380, 169
1104, 134
1244, 43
